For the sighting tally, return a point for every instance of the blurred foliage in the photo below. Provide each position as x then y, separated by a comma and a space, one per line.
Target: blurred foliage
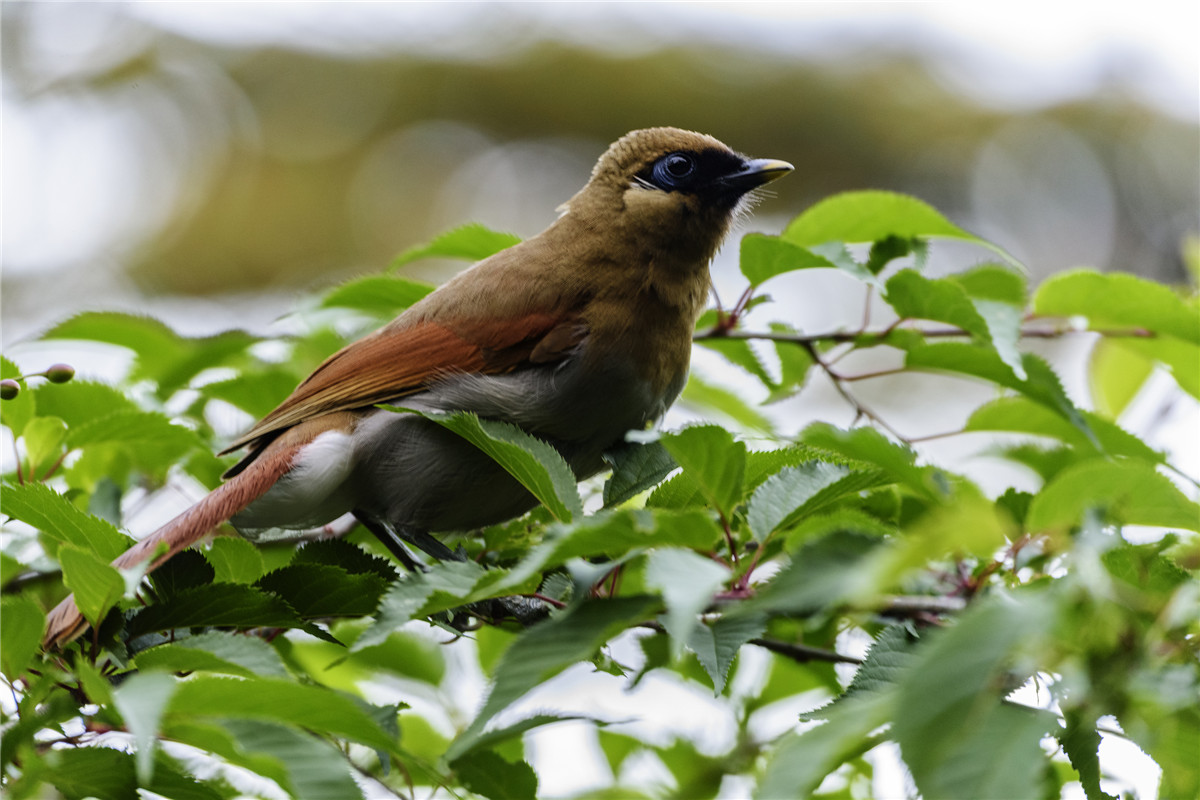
264, 165
711, 543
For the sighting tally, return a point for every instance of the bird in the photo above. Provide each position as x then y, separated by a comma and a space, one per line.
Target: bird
576, 335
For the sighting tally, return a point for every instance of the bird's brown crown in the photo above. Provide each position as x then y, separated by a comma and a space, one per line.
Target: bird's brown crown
636, 150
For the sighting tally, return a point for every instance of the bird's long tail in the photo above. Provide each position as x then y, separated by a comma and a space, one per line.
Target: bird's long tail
65, 622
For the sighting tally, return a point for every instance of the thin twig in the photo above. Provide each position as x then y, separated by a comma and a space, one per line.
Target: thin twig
935, 333
803, 653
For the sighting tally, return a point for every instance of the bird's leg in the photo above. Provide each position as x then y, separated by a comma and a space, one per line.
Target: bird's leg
393, 541
398, 539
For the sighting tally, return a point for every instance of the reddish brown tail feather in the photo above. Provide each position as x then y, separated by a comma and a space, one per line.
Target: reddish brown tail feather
65, 622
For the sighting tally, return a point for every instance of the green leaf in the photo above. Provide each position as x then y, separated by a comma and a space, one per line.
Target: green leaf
1116, 300
244, 656
20, 635
716, 644
868, 445
533, 462
186, 570
1000, 756
151, 440
282, 701
53, 514
347, 556
1022, 415
1181, 359
995, 323
1128, 303
234, 560
997, 282
312, 768
80, 401
547, 649
688, 582
322, 590
256, 392
636, 467
10, 568
43, 437
17, 412
763, 257
382, 295
794, 364
1115, 375
142, 700
1081, 741
96, 584
442, 586
471, 242
1041, 384
971, 525
869, 216
163, 356
215, 605
107, 774
823, 573
891, 655
700, 394
486, 773
740, 353
1129, 492
800, 761
805, 488
615, 534
955, 735
711, 456
885, 251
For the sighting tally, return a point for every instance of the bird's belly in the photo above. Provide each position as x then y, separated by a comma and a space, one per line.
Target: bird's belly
412, 472
313, 492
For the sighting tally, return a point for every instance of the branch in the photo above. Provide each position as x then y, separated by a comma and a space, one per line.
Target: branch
933, 333
803, 654
914, 605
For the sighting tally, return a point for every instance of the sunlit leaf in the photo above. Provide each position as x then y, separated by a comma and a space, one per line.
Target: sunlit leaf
1115, 375
383, 295
547, 649
535, 464
716, 644
1118, 300
486, 773
278, 700
868, 216
471, 242
763, 257
142, 701
96, 584
711, 456
1021, 415
636, 468
21, 633
214, 652
688, 582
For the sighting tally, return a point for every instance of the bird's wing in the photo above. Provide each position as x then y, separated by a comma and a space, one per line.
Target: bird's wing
398, 361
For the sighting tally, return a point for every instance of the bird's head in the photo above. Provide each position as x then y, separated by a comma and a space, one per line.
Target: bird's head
671, 189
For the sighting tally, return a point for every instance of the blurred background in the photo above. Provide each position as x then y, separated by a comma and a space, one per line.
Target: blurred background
243, 153
211, 163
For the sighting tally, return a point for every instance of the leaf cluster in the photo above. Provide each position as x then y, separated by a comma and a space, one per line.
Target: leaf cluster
701, 545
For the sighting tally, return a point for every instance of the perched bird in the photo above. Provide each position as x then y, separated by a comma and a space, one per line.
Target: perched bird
576, 335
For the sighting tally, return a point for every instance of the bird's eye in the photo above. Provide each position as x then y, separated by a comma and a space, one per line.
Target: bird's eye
678, 165
674, 171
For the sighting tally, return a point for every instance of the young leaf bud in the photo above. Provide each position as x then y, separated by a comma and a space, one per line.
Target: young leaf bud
60, 373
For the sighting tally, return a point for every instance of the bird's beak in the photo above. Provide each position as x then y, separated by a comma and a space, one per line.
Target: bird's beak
756, 172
